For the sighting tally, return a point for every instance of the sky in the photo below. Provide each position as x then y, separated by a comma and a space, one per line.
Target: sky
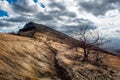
63, 15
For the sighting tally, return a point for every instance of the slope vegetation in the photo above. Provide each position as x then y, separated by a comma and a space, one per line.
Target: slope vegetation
41, 53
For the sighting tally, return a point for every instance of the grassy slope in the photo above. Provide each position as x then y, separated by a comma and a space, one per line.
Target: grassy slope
23, 58
31, 58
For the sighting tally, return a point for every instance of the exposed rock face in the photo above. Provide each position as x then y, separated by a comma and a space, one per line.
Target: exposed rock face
28, 27
41, 53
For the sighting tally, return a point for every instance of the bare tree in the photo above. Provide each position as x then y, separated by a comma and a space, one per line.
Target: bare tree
89, 40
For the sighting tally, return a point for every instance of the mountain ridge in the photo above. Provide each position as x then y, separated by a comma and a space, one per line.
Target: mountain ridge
43, 55
43, 29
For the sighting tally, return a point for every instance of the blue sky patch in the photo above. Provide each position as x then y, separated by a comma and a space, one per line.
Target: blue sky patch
42, 5
35, 1
3, 13
12, 1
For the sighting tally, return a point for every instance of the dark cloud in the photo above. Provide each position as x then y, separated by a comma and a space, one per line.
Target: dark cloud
81, 20
69, 29
58, 5
113, 1
69, 14
118, 31
4, 24
22, 7
60, 9
85, 22
99, 7
18, 19
55, 12
58, 13
44, 17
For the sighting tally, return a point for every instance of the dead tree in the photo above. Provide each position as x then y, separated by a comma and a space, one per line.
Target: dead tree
100, 47
89, 40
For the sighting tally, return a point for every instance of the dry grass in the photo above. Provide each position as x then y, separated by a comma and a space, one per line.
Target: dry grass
24, 58
70, 60
109, 66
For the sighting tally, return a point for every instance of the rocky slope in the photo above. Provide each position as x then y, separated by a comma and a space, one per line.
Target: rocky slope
41, 53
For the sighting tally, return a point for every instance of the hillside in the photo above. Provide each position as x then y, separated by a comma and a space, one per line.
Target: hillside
38, 52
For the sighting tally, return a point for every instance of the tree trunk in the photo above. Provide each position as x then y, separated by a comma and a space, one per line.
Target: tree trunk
97, 59
85, 57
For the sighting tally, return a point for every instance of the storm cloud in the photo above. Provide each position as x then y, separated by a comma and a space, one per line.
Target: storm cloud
99, 7
4, 24
24, 11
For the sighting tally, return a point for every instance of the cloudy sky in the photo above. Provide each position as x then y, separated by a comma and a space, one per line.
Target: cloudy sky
63, 15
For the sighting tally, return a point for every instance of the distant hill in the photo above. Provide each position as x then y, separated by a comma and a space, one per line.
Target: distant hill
38, 52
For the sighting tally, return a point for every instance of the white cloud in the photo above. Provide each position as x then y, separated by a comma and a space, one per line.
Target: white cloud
112, 13
56, 12
4, 5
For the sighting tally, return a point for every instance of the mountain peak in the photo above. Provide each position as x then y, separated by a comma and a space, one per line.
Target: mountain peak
32, 29
34, 26
28, 26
